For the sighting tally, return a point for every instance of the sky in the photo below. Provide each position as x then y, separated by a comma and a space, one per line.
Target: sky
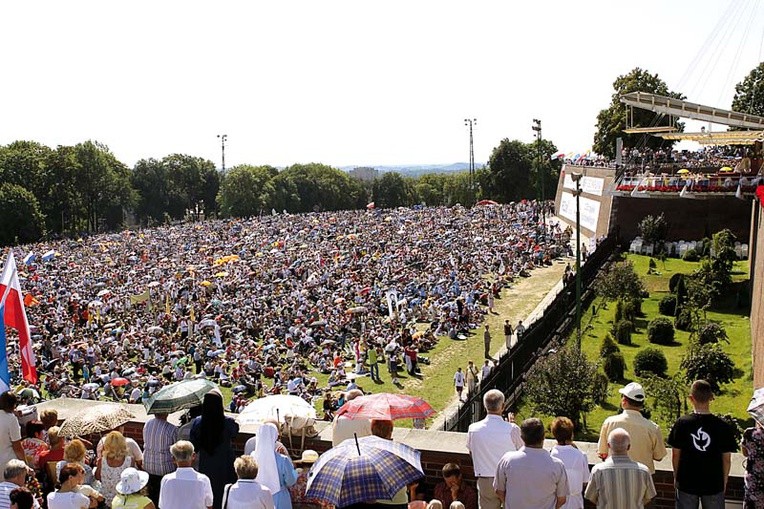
351, 82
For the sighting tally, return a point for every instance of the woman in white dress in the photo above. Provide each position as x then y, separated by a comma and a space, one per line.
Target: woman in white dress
116, 458
576, 464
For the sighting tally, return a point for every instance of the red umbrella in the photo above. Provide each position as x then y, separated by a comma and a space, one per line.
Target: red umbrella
119, 381
386, 406
486, 202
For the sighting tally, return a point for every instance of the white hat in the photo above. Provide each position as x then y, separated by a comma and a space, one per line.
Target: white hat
131, 481
308, 456
633, 391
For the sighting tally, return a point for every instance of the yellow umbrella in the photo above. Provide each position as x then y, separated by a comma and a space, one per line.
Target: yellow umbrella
683, 171
205, 283
725, 169
221, 274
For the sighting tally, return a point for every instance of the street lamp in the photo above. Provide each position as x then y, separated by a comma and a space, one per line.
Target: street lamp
223, 138
537, 128
471, 122
576, 177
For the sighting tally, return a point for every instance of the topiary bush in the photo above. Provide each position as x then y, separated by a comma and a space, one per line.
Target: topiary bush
710, 363
683, 320
608, 346
623, 332
618, 316
691, 256
614, 366
675, 281
712, 332
660, 331
667, 305
630, 310
600, 390
650, 361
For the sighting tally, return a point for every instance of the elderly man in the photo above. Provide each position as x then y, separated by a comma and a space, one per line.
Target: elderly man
15, 475
646, 438
620, 482
488, 440
531, 478
158, 436
185, 488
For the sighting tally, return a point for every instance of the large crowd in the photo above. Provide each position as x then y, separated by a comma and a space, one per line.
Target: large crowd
263, 305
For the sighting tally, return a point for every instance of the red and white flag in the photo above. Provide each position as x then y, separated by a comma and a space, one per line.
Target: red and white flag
15, 315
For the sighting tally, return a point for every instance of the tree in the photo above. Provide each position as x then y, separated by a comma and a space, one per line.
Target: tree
25, 163
149, 179
314, 187
749, 93
564, 383
619, 282
247, 190
708, 362
612, 121
653, 230
192, 182
669, 395
21, 221
509, 175
392, 190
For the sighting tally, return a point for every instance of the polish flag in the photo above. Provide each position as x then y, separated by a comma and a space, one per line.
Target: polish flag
12, 301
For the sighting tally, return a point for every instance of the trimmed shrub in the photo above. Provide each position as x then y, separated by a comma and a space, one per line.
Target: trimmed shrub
650, 361
712, 332
667, 305
660, 331
630, 311
710, 363
691, 256
618, 313
674, 280
683, 320
614, 366
600, 390
608, 346
623, 332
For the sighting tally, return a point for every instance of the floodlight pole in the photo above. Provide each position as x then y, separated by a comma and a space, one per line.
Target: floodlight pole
223, 138
577, 179
471, 122
537, 128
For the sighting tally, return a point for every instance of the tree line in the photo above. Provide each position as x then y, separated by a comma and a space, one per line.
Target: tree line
71, 190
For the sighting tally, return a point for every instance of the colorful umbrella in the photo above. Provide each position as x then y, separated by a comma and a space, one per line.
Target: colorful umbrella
363, 469
95, 419
386, 406
726, 169
178, 396
486, 202
683, 171
119, 381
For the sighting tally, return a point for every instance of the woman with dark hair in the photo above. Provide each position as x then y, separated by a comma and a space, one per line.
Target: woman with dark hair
34, 445
211, 434
21, 498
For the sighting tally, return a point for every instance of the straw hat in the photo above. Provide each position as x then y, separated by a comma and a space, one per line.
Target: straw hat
309, 456
131, 481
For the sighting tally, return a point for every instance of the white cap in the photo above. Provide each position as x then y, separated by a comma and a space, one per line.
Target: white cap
633, 391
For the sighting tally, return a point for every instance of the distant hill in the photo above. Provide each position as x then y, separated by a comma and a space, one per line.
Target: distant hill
414, 170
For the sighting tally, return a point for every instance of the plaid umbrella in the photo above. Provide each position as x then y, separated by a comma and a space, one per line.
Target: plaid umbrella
386, 406
95, 419
362, 470
178, 396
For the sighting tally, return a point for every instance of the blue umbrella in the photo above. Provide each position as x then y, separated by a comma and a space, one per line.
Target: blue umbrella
362, 470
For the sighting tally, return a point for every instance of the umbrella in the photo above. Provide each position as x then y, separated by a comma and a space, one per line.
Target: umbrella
386, 406
222, 273
91, 386
95, 419
208, 323
356, 310
756, 407
119, 381
725, 169
103, 292
178, 396
683, 171
280, 406
156, 329
317, 323
359, 470
153, 284
486, 202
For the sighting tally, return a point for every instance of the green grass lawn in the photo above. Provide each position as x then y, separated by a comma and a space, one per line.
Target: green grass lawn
734, 397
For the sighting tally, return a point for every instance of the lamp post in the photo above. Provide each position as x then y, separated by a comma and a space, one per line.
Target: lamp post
537, 128
223, 138
576, 177
471, 122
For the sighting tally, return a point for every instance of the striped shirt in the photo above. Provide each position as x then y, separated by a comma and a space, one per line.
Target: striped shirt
620, 483
6, 488
158, 436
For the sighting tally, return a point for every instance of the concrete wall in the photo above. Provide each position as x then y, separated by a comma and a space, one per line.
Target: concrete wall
437, 448
756, 257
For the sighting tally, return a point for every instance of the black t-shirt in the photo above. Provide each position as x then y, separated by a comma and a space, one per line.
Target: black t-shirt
702, 439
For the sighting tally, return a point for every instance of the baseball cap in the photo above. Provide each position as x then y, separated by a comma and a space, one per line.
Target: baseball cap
633, 391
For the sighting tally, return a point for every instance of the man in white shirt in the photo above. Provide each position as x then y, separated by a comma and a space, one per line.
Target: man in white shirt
185, 488
488, 440
15, 476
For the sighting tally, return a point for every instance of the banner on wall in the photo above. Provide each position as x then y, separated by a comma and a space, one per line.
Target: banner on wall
590, 210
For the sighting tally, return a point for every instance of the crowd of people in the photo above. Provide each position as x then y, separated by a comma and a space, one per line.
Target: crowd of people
197, 466
263, 305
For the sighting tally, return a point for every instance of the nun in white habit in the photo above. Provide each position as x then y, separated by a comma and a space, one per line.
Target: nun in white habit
275, 470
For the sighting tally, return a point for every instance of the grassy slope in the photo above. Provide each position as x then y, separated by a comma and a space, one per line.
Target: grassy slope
735, 396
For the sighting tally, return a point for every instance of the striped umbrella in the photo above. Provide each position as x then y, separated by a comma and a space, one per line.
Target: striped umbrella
178, 396
362, 470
